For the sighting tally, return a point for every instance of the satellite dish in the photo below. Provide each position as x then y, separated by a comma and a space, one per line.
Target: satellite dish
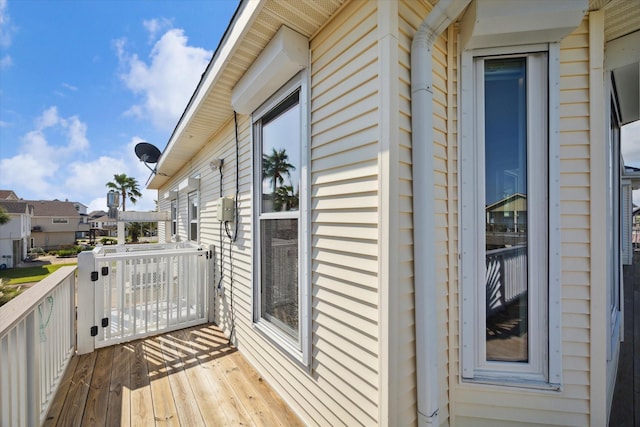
148, 153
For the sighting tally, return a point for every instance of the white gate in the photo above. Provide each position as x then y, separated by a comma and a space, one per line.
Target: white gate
137, 291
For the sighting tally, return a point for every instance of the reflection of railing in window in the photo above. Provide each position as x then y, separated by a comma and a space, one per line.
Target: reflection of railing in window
281, 294
506, 276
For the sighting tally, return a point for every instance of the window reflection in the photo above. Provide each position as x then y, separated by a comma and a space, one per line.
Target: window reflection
281, 157
506, 209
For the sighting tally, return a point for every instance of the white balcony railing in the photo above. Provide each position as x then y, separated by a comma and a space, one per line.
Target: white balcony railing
126, 292
37, 338
506, 276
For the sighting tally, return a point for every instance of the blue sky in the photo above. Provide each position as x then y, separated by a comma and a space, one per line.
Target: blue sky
81, 82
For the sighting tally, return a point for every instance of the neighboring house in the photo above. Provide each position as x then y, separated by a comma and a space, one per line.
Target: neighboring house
14, 235
56, 224
8, 195
370, 137
101, 224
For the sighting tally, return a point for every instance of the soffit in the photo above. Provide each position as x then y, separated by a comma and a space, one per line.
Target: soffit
621, 17
210, 107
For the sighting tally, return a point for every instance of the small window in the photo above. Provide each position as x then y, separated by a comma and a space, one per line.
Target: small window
280, 158
60, 220
193, 216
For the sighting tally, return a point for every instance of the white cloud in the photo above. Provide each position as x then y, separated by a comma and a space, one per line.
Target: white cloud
6, 29
156, 26
166, 83
70, 87
47, 168
6, 62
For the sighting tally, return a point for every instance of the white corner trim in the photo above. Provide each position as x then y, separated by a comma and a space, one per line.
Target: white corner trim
285, 55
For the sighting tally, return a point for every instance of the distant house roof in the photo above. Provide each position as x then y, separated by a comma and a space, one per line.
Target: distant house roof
16, 206
515, 200
53, 208
8, 195
97, 214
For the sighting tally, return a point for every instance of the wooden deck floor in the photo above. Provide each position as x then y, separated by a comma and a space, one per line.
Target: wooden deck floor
190, 377
625, 408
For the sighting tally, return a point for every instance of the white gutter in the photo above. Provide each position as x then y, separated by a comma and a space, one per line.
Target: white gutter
445, 12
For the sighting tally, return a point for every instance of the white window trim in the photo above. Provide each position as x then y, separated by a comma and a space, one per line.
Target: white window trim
546, 371
299, 351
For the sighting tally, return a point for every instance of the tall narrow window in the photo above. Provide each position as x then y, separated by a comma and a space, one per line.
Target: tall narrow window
193, 216
505, 220
174, 217
279, 153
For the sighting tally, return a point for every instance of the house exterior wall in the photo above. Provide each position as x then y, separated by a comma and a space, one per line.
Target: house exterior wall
17, 228
363, 357
53, 236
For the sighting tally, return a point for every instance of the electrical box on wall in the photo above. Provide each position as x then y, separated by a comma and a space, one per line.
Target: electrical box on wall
226, 209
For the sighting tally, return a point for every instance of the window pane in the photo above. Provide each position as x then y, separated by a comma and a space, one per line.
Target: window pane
279, 281
506, 210
174, 218
193, 217
281, 157
193, 231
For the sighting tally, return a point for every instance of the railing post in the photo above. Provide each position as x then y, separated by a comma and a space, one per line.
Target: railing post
86, 302
211, 283
33, 370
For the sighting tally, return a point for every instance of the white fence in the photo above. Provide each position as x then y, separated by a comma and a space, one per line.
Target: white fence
37, 340
127, 292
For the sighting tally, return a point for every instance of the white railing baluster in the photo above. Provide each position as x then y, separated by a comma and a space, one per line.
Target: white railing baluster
35, 348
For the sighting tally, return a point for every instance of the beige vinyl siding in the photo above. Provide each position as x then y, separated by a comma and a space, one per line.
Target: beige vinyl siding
478, 405
344, 218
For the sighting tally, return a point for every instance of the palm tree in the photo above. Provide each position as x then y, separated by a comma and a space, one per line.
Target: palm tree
127, 186
275, 165
4, 216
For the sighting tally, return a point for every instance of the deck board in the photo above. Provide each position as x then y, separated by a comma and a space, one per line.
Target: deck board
98, 396
191, 377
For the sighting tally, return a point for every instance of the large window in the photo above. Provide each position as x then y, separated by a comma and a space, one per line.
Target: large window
280, 163
505, 217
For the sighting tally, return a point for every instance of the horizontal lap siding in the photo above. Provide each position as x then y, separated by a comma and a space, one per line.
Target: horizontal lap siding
344, 214
494, 406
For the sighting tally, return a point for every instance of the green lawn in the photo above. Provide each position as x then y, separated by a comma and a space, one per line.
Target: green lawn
16, 276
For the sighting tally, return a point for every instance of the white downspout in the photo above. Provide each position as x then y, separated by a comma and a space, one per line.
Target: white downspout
445, 12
